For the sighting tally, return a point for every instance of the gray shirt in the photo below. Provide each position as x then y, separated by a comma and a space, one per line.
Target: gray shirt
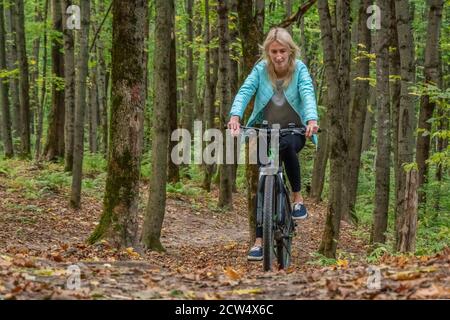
278, 110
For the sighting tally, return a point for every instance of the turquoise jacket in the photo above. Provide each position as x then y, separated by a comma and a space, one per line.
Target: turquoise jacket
299, 93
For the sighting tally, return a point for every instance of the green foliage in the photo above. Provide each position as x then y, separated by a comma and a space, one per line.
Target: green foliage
183, 188
380, 250
94, 163
318, 259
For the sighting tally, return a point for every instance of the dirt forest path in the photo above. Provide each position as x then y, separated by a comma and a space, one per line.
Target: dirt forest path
42, 241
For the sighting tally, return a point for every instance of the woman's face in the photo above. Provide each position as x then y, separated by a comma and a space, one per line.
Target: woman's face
279, 55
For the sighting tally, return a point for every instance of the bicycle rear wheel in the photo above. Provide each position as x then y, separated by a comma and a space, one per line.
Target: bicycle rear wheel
268, 212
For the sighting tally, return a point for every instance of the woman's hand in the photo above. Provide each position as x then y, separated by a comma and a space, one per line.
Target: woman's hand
311, 128
234, 125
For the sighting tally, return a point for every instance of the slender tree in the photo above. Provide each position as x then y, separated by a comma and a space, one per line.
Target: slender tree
288, 10
54, 147
102, 85
359, 100
80, 105
406, 218
234, 74
40, 111
338, 89
321, 159
251, 35
24, 86
11, 61
69, 88
394, 72
34, 71
154, 215
189, 105
173, 173
383, 130
4, 102
226, 170
211, 78
427, 106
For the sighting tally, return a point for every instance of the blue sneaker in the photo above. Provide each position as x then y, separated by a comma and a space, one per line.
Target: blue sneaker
255, 254
299, 211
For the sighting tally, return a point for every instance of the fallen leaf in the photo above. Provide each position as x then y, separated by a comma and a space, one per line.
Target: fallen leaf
24, 262
247, 291
230, 246
331, 285
428, 269
207, 296
342, 263
57, 257
405, 275
232, 274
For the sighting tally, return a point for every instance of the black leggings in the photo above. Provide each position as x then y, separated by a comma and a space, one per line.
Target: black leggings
290, 145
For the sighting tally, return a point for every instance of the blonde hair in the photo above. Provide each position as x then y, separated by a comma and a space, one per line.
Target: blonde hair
282, 36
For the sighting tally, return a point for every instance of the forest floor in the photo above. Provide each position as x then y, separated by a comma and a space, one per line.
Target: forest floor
42, 240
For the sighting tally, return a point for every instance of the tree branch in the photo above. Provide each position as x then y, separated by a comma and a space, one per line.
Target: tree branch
100, 27
297, 16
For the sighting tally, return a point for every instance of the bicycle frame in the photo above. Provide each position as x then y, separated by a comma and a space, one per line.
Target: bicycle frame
281, 189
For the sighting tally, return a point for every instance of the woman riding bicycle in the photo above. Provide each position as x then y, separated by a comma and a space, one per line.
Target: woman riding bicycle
284, 94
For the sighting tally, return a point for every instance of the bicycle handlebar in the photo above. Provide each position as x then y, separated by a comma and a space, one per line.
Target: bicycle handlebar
284, 131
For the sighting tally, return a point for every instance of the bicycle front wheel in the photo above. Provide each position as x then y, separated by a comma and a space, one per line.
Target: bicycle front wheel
285, 242
268, 212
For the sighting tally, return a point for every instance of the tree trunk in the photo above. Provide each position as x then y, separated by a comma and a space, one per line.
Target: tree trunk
188, 110
226, 170
6, 118
69, 89
321, 159
344, 50
80, 105
207, 103
197, 25
382, 177
407, 223
154, 215
54, 147
173, 173
24, 86
260, 6
337, 96
93, 92
369, 122
211, 64
234, 77
288, 10
35, 70
40, 111
250, 36
102, 88
11, 53
359, 102
118, 222
303, 43
431, 74
406, 122
441, 145
93, 111
394, 71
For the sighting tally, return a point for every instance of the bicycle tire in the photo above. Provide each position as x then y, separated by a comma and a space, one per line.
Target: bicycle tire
268, 234
284, 244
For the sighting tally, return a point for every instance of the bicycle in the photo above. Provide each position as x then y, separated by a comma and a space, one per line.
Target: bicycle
273, 210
